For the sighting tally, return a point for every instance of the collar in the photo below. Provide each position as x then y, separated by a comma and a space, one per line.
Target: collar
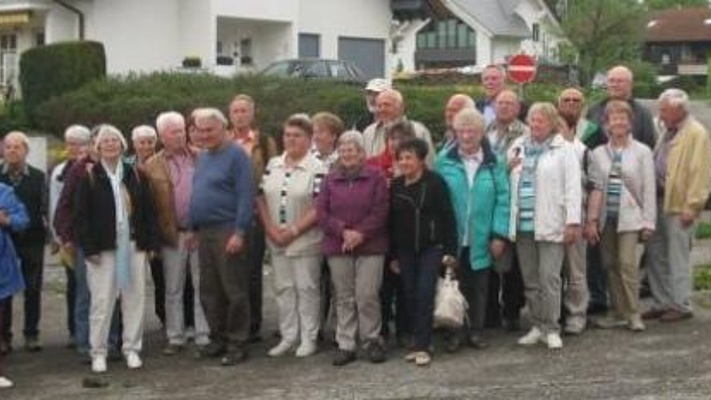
25, 169
476, 157
302, 164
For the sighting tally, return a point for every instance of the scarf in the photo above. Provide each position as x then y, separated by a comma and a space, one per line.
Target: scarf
123, 229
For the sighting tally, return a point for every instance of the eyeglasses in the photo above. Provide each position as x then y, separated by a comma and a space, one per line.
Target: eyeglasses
571, 100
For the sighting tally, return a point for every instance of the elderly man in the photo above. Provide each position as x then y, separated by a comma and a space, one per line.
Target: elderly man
372, 90
493, 79
683, 171
455, 104
260, 148
571, 108
30, 186
506, 294
221, 211
77, 140
619, 87
390, 108
171, 174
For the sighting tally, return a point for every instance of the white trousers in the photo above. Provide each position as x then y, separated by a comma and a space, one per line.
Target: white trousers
296, 281
104, 290
176, 262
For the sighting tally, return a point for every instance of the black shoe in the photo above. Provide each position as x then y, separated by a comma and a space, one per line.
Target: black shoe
376, 352
453, 342
234, 356
212, 350
343, 357
254, 338
476, 342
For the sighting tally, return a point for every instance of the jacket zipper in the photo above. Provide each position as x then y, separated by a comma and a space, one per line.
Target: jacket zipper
418, 209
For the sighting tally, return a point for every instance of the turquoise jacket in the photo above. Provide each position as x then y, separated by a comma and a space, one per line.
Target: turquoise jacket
481, 210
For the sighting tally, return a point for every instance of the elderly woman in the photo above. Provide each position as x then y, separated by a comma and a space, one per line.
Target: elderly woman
143, 139
546, 199
115, 223
479, 190
422, 235
352, 212
13, 218
327, 129
394, 134
286, 206
622, 209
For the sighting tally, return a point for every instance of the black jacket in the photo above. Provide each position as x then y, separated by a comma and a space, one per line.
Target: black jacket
94, 212
32, 192
421, 216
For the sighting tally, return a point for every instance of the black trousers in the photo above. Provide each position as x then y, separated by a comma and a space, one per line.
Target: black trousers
255, 256
392, 303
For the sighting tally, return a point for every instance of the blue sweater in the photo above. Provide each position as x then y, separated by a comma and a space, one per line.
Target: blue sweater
223, 193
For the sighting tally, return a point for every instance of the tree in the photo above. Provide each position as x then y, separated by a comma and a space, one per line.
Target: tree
664, 4
602, 33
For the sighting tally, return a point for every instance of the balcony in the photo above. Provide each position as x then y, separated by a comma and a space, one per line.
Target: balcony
451, 57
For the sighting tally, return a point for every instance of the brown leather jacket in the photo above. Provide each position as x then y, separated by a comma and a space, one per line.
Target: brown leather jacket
156, 169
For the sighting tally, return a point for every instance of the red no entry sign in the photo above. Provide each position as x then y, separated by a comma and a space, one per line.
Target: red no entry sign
522, 68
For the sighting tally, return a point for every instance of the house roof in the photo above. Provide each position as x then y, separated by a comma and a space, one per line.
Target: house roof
497, 16
691, 24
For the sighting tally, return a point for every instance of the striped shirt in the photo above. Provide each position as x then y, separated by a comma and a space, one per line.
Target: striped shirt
527, 185
614, 186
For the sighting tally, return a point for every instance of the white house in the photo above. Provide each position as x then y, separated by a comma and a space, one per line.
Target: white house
150, 35
476, 33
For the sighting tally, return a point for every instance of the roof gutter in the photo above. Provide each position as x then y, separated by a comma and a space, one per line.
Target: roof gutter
78, 12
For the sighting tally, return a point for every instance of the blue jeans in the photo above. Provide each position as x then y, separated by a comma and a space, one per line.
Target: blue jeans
419, 273
82, 305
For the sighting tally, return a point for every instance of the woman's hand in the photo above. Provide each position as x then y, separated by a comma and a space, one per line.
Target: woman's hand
645, 234
394, 266
351, 239
572, 234
497, 248
94, 259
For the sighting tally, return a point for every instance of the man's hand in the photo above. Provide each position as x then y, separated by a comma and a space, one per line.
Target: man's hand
191, 241
235, 244
395, 266
4, 219
591, 232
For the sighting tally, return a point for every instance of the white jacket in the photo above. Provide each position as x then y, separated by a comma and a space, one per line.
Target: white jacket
558, 189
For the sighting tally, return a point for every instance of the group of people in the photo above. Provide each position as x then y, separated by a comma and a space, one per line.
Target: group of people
541, 207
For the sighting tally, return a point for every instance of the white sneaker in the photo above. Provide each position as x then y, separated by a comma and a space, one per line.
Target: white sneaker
532, 337
306, 349
554, 341
98, 364
6, 383
133, 361
281, 349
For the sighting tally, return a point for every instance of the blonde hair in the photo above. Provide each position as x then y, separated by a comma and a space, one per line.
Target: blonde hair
548, 110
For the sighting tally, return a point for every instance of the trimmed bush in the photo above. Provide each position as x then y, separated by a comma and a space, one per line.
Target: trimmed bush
58, 68
137, 99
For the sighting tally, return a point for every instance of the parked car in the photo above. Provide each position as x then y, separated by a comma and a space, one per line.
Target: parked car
315, 68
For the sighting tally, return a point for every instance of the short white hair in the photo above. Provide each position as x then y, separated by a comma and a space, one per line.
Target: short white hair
168, 118
78, 132
676, 98
213, 114
21, 136
351, 137
143, 132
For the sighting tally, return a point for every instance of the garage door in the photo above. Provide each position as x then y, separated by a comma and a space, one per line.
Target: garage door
367, 54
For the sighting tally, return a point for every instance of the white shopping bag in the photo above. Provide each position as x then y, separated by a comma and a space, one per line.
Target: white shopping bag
450, 305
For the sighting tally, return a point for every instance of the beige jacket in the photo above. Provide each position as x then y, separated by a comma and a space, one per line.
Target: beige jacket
688, 176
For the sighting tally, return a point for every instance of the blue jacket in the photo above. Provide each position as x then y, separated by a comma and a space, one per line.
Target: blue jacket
11, 280
482, 210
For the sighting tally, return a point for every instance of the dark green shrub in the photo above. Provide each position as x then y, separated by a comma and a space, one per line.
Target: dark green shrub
13, 118
51, 70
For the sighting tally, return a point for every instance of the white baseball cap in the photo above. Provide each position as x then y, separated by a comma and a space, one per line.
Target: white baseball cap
378, 85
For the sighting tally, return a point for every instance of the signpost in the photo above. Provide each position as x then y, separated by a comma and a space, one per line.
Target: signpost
522, 69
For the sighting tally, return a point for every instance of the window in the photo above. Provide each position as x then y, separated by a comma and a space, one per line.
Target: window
536, 32
8, 58
446, 34
39, 38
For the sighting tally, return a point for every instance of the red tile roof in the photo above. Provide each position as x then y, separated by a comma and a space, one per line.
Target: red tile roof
679, 25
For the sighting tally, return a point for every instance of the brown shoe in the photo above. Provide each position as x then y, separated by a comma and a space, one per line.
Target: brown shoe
675, 316
653, 313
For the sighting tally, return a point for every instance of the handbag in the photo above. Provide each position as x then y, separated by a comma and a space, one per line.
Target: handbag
450, 305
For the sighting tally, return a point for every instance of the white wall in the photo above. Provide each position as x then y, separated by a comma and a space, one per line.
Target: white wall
61, 25
138, 35
197, 31
275, 10
333, 18
407, 46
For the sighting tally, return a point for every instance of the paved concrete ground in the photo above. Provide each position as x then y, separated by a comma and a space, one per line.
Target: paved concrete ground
665, 362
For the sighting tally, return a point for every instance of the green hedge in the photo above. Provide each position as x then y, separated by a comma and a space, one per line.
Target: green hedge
133, 100
58, 68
